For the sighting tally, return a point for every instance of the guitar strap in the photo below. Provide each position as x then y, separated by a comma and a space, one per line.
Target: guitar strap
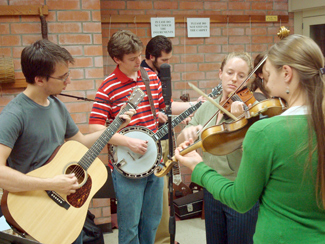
146, 81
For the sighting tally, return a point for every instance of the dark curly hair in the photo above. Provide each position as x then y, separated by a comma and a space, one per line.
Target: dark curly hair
157, 45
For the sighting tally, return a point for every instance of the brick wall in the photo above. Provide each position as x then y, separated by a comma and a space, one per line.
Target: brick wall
76, 25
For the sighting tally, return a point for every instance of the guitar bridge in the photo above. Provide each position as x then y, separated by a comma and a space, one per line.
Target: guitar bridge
58, 199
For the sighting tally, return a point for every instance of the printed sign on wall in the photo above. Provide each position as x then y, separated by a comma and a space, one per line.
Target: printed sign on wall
163, 26
198, 27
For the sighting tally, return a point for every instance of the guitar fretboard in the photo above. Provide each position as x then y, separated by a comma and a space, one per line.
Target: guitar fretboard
101, 142
164, 129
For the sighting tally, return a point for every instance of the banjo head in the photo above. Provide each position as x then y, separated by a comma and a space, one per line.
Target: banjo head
133, 165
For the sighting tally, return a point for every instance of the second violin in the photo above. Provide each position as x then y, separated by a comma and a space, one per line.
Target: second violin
227, 137
244, 95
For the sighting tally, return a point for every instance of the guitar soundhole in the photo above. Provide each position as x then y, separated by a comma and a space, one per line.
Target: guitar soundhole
78, 198
78, 171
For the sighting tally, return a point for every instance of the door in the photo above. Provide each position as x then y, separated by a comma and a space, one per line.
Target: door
314, 27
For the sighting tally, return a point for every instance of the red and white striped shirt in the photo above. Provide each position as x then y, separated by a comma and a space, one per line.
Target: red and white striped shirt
115, 91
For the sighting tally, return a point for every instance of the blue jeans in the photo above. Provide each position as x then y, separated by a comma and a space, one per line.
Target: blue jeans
226, 226
139, 207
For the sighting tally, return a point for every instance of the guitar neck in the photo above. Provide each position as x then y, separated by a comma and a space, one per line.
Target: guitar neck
102, 141
164, 129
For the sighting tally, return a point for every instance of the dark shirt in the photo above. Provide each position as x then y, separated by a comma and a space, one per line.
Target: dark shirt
259, 96
145, 65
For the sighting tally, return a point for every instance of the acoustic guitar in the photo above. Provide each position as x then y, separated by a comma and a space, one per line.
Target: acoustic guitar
53, 218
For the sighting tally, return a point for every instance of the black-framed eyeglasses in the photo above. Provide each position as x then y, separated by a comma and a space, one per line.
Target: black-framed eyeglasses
63, 79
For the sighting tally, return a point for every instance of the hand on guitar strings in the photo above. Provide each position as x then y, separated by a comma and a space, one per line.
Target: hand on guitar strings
65, 183
191, 132
201, 99
187, 120
162, 117
137, 145
126, 116
190, 159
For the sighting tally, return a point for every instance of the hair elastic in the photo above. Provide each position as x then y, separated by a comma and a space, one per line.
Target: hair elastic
322, 70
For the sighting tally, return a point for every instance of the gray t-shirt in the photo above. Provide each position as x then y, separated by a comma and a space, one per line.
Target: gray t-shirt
34, 131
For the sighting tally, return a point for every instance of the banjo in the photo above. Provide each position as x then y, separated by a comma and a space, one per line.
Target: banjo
133, 165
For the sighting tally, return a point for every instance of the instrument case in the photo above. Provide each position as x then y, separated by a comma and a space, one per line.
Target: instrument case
189, 206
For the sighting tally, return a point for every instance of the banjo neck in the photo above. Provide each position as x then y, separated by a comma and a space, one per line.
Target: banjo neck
164, 129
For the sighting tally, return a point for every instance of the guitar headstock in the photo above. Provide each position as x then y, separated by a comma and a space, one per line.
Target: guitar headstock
216, 91
136, 96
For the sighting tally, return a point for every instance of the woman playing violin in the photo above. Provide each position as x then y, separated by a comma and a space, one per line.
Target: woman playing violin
223, 224
283, 162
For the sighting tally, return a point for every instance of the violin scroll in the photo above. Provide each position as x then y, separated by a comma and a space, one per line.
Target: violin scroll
163, 170
283, 32
185, 97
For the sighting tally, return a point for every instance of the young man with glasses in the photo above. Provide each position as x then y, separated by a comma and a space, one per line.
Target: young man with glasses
35, 122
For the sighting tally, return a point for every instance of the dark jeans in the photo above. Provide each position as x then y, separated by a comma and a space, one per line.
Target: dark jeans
226, 226
79, 239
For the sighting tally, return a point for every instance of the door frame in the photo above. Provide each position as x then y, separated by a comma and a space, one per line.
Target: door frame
304, 18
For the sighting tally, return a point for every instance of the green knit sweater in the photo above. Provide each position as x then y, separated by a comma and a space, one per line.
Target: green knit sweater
273, 170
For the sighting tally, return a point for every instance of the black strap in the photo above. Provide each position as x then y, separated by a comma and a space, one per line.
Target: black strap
146, 81
83, 98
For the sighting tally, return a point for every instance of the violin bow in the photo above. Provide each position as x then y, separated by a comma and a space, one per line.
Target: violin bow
212, 101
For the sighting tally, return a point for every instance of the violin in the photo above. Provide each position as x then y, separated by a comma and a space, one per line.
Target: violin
244, 95
225, 138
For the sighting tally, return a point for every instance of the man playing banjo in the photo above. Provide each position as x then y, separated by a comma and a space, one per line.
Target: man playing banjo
139, 199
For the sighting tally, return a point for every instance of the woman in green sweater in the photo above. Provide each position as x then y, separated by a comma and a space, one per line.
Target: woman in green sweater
283, 162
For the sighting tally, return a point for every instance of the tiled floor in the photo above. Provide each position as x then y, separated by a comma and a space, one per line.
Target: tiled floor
190, 231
